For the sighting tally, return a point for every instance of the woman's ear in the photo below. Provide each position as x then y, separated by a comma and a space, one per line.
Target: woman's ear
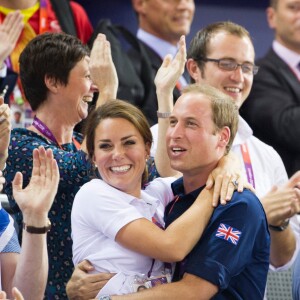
51, 84
94, 161
147, 149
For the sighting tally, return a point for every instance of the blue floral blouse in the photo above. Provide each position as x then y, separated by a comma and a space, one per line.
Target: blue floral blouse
74, 172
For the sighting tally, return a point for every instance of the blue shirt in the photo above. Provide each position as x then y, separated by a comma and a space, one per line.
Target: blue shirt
296, 279
233, 252
8, 236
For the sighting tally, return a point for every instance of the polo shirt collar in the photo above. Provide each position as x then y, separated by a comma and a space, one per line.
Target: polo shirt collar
244, 132
178, 189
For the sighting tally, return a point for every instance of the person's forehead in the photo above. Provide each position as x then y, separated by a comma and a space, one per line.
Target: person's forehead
191, 103
224, 44
170, 1
281, 3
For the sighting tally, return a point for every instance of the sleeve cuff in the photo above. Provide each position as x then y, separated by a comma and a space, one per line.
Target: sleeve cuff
3, 70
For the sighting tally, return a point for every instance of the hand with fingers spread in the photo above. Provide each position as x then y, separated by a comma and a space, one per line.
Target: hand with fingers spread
171, 69
28, 270
84, 286
102, 68
37, 198
5, 127
10, 31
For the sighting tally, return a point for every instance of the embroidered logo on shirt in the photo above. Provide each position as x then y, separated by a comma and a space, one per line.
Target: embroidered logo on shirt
228, 233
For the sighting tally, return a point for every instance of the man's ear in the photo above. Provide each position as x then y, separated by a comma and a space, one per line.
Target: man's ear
51, 84
138, 6
271, 17
224, 135
193, 69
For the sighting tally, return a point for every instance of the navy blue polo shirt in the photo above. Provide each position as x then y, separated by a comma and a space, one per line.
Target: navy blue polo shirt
233, 252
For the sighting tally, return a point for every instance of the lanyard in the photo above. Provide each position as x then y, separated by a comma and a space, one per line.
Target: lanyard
248, 164
175, 200
42, 128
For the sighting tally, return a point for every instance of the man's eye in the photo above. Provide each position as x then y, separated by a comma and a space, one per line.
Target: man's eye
247, 68
190, 123
228, 63
294, 7
172, 122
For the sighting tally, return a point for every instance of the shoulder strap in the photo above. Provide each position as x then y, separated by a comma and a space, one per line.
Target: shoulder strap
64, 14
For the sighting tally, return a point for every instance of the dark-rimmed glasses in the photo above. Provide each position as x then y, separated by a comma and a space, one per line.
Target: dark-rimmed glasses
231, 65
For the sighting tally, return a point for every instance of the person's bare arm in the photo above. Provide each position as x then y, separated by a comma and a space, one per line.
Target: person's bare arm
144, 237
5, 127
165, 81
190, 287
84, 286
35, 200
8, 266
282, 203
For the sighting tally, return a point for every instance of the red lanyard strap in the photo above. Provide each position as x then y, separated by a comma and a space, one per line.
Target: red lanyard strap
248, 164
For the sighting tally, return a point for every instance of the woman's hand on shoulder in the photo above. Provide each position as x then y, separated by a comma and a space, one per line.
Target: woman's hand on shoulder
226, 178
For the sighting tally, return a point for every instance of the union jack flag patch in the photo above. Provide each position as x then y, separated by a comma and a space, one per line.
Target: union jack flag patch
228, 233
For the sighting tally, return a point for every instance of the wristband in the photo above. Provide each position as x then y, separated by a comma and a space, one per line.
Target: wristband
37, 230
282, 227
163, 115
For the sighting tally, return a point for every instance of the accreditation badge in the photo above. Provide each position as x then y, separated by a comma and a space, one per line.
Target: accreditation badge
143, 282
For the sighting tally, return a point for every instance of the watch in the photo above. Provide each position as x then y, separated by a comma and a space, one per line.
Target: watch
163, 115
282, 227
105, 297
37, 230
